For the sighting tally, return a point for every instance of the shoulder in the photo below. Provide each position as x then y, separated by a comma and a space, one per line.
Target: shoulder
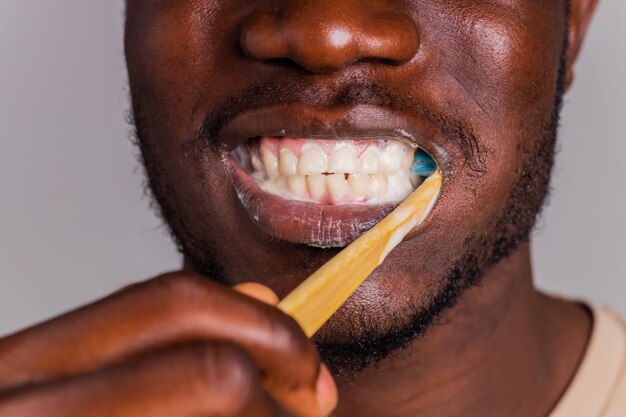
599, 387
616, 404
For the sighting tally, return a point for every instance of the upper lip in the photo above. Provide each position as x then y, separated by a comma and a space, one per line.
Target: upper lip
354, 122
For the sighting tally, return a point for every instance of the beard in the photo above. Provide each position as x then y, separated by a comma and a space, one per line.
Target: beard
374, 342
366, 342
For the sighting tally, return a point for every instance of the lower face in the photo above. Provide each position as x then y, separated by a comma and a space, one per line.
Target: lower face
264, 170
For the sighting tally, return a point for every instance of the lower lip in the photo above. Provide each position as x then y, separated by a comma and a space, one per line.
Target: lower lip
318, 225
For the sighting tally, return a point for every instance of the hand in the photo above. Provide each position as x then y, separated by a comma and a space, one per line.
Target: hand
175, 346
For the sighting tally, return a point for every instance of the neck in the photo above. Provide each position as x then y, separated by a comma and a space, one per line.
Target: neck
503, 349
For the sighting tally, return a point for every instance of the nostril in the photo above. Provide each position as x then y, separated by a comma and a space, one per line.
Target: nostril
381, 61
283, 63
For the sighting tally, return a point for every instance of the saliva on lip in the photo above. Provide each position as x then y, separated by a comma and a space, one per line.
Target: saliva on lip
336, 172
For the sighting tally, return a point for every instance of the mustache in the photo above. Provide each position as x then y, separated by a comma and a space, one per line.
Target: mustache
352, 93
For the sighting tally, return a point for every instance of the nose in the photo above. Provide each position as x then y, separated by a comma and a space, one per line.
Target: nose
328, 35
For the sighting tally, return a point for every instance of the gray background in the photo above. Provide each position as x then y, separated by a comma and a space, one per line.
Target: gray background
74, 224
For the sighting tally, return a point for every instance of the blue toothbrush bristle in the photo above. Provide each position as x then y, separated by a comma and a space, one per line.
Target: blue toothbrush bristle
423, 164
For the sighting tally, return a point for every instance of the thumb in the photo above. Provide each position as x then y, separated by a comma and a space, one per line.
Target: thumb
257, 291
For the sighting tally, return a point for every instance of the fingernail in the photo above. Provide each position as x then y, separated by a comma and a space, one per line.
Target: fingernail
326, 391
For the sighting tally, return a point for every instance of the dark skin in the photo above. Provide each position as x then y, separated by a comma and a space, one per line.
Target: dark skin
182, 345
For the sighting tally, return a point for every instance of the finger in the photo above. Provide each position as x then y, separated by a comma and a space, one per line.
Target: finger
170, 310
208, 380
326, 391
258, 291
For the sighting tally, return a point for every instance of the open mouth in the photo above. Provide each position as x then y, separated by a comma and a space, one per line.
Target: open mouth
325, 192
332, 172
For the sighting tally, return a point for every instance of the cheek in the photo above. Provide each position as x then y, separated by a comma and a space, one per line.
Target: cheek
507, 61
173, 50
509, 58
166, 45
497, 69
161, 72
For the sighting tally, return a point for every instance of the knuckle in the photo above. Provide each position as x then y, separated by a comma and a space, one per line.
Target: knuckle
178, 286
287, 337
288, 334
229, 374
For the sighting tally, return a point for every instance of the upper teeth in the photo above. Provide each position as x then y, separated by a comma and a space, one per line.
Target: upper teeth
312, 160
334, 171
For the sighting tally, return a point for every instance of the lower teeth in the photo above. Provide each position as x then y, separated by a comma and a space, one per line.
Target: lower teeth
335, 172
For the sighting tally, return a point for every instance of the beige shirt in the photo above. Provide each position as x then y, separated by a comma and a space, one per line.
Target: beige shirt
599, 387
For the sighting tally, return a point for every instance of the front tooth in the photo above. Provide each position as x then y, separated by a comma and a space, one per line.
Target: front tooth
297, 185
336, 185
312, 161
343, 161
358, 184
378, 186
288, 162
391, 159
270, 162
369, 163
316, 185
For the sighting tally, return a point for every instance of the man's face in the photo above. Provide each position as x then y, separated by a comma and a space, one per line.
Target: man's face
474, 83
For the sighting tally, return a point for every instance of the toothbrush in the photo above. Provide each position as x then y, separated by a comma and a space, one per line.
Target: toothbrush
318, 297
423, 164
